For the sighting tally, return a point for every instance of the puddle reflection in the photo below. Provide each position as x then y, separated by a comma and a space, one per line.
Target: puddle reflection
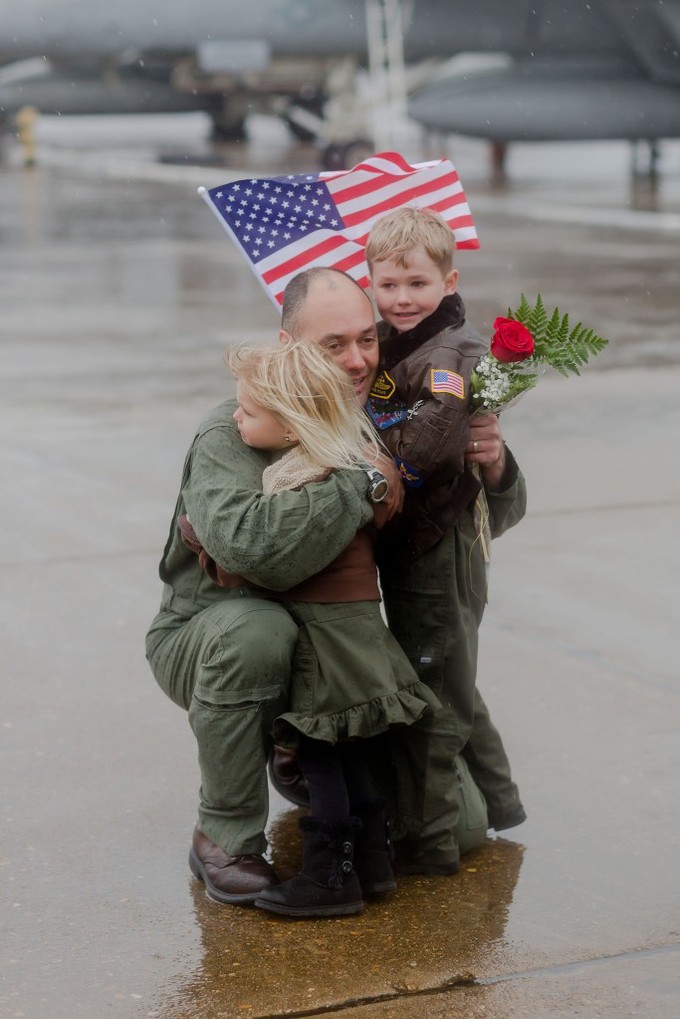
428, 933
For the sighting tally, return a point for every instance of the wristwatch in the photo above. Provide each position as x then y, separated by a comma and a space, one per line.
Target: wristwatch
378, 485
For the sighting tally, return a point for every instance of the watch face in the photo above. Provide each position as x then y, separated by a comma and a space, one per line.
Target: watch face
379, 490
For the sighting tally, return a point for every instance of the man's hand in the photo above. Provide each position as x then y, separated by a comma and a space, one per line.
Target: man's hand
394, 500
486, 448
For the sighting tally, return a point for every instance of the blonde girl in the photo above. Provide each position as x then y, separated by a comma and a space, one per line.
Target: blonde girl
351, 681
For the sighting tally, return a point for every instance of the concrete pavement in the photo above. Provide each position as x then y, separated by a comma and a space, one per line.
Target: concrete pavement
118, 297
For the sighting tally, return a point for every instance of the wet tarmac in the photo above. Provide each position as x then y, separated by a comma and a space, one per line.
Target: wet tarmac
118, 294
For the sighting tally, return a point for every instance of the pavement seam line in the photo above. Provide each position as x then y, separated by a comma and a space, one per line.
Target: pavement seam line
470, 980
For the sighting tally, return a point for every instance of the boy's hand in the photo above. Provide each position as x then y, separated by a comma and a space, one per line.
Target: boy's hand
487, 449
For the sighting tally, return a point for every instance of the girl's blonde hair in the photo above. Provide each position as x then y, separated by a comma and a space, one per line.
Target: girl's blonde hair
299, 384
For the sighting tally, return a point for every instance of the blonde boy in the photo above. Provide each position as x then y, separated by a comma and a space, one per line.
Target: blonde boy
432, 567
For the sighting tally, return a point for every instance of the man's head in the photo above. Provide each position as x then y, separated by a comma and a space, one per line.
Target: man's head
410, 258
326, 306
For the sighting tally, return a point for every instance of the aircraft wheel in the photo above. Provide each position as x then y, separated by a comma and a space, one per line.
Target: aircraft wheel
345, 155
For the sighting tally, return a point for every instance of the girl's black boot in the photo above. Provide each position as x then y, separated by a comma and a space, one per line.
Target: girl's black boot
373, 852
327, 885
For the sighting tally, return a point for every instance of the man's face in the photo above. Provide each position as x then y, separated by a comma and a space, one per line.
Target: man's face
339, 317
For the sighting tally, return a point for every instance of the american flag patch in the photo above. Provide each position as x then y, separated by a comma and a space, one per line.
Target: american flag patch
444, 381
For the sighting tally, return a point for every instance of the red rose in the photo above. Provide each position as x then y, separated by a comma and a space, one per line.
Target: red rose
511, 341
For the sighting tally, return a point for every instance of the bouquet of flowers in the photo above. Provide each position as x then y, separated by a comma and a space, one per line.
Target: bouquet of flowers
523, 345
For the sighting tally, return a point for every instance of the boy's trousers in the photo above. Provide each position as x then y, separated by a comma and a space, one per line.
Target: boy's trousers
434, 606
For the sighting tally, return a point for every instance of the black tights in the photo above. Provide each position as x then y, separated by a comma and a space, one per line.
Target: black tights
337, 776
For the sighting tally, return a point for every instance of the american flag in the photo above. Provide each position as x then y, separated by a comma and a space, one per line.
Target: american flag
287, 224
445, 381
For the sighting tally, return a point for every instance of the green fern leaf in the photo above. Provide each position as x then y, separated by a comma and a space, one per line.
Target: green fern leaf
564, 349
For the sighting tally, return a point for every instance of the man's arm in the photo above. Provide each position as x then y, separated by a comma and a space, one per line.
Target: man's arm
276, 541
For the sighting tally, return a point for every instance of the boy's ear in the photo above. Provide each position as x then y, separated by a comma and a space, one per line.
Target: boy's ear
451, 281
285, 337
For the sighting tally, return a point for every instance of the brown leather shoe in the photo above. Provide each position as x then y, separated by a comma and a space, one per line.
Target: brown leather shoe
286, 777
237, 880
501, 820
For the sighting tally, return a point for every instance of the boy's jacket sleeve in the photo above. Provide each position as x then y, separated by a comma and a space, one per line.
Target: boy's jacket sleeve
508, 506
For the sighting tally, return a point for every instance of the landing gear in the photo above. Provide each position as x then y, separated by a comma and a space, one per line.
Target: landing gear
227, 130
498, 152
307, 121
651, 168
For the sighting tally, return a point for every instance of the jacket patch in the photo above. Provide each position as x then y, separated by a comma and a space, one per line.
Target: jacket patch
444, 381
410, 476
386, 415
383, 387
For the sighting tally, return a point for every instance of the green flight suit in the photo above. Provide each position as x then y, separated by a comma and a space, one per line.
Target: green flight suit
225, 654
434, 607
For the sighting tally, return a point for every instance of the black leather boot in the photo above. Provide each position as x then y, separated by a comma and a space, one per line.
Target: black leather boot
373, 852
327, 885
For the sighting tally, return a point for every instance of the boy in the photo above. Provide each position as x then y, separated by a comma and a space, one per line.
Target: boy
433, 564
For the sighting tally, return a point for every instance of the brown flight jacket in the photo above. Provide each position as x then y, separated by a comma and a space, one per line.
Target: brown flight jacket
420, 403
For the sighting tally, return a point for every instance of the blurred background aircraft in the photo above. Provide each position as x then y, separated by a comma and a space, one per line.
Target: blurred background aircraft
548, 70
